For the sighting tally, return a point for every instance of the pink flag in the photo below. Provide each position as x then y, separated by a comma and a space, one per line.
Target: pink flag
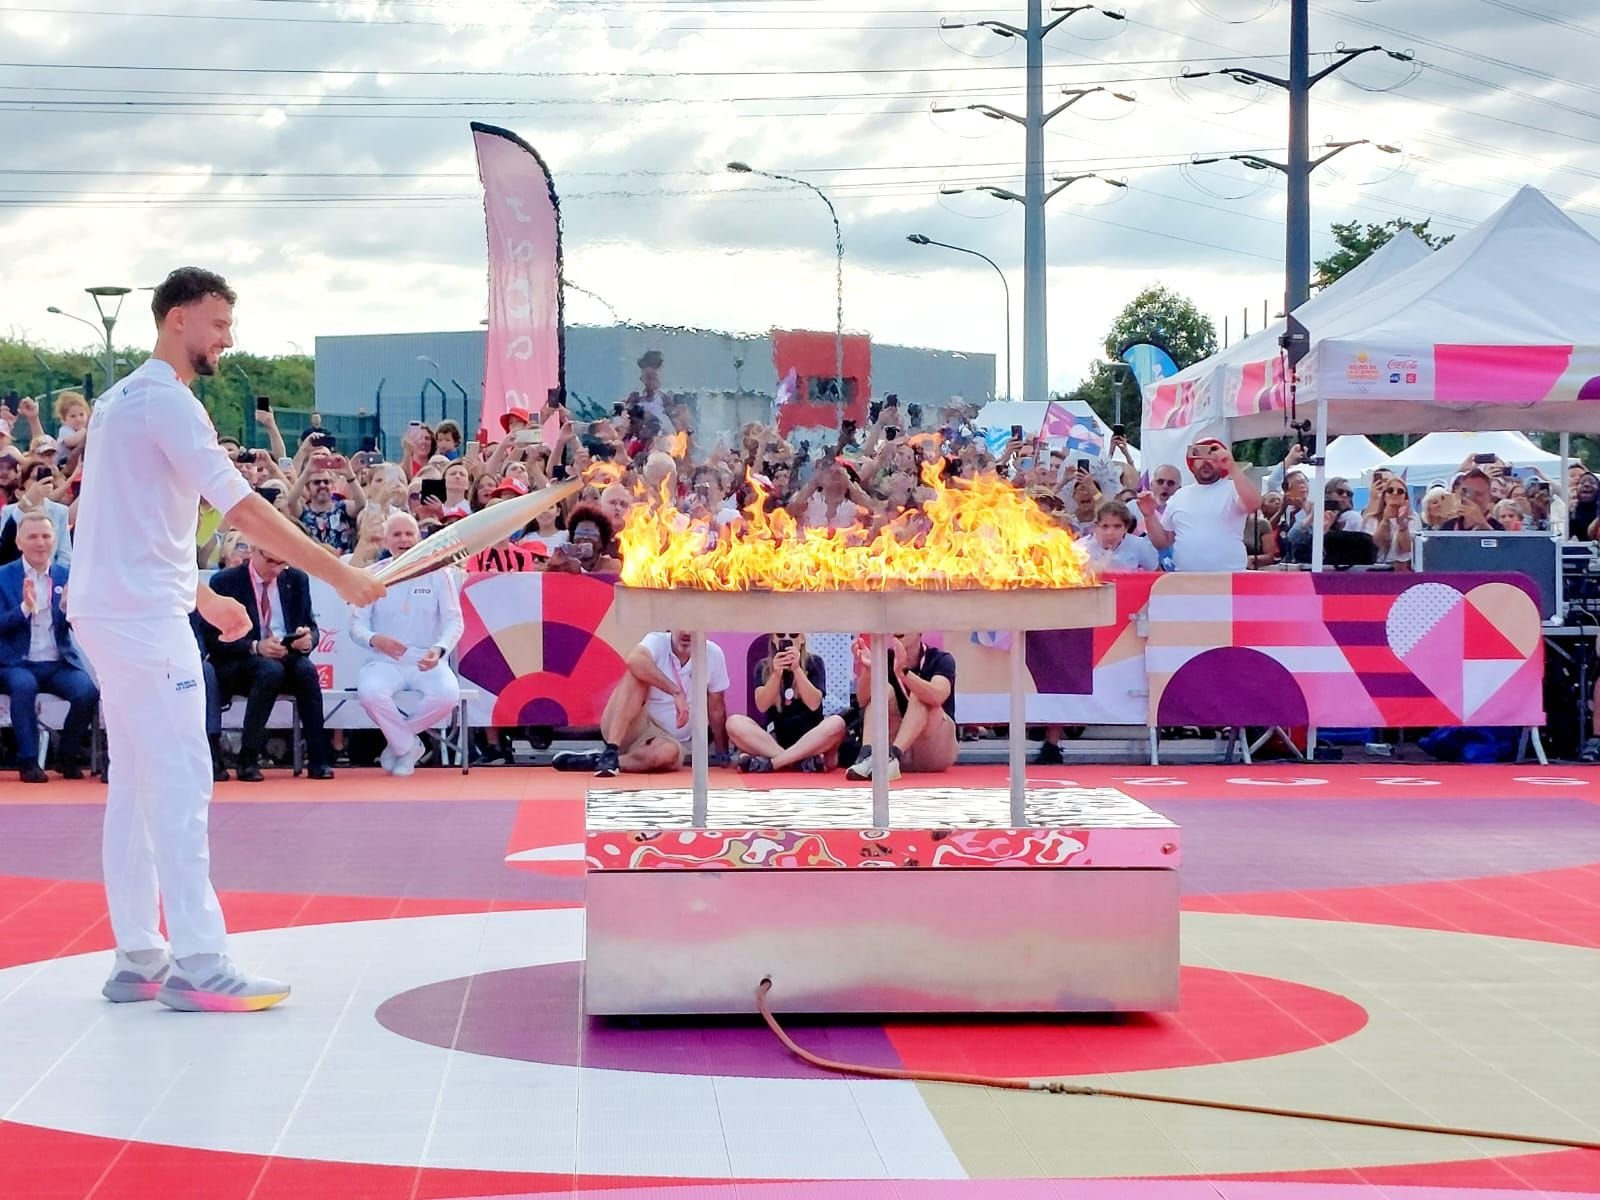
524, 352
1057, 422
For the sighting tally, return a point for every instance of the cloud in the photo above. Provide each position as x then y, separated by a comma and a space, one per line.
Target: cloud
342, 197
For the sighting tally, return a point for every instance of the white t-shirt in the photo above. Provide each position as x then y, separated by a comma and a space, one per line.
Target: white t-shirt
663, 711
152, 455
1207, 525
1370, 525
1133, 553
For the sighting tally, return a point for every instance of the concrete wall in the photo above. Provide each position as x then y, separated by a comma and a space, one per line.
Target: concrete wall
601, 365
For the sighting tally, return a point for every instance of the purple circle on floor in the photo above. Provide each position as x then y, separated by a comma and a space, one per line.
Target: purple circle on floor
527, 1013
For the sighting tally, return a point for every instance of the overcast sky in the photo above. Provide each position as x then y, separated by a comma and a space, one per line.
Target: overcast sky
317, 152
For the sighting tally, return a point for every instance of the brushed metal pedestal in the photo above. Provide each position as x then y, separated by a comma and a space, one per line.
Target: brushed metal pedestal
978, 900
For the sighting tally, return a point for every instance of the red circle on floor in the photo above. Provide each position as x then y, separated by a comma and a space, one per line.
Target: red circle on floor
1225, 1017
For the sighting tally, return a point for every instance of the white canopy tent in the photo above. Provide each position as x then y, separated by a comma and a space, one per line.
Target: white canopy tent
1440, 455
1496, 329
1191, 405
1354, 457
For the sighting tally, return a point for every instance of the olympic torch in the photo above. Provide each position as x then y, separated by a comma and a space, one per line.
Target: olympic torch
474, 534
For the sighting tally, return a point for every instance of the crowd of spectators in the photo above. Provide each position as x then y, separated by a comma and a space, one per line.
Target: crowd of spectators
854, 481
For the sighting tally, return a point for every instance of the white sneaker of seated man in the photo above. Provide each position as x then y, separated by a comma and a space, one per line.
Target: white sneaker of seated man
199, 983
403, 762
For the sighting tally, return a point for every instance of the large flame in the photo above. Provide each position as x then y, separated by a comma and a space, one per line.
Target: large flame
983, 534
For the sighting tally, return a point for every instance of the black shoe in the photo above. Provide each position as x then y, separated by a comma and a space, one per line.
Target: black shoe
71, 770
755, 764
32, 773
219, 773
1049, 755
321, 771
249, 773
576, 760
608, 767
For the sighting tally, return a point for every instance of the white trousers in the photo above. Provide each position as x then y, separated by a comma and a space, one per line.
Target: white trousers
382, 680
157, 850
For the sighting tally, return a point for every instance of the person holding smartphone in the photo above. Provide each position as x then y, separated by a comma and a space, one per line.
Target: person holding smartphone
326, 517
591, 545
790, 684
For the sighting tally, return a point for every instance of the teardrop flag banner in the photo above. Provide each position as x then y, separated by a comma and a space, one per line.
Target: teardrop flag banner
525, 349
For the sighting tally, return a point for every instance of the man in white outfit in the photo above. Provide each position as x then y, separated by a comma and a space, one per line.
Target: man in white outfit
151, 456
410, 632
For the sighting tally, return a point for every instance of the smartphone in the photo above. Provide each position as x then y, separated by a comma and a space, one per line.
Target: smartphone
1016, 433
263, 403
890, 433
1119, 430
783, 644
558, 472
433, 489
1483, 459
531, 436
618, 409
1083, 465
244, 456
874, 411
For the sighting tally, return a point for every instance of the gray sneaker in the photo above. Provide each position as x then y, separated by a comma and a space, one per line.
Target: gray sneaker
131, 981
211, 983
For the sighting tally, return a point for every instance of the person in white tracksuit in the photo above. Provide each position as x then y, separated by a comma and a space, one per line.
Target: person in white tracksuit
410, 633
151, 456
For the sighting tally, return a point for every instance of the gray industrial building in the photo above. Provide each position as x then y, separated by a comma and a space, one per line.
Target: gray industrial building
389, 377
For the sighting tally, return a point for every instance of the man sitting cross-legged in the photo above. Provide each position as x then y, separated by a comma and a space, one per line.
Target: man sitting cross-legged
922, 729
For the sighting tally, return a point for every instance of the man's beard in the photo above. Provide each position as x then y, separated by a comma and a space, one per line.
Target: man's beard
202, 364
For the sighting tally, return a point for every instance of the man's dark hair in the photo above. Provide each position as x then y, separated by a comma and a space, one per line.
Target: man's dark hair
593, 512
185, 286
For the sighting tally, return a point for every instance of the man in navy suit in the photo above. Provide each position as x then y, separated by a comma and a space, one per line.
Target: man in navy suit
273, 659
36, 650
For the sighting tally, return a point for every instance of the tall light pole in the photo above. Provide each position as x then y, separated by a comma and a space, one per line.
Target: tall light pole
108, 321
1297, 230
739, 168
922, 239
1035, 351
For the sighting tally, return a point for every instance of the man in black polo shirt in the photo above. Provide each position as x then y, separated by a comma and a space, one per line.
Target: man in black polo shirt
922, 720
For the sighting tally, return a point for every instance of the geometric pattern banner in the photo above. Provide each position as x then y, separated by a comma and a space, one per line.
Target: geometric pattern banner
1370, 649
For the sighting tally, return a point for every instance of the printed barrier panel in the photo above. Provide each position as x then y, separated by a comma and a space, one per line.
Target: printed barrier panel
1257, 648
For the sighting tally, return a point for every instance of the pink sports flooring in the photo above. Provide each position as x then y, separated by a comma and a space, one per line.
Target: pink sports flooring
1419, 944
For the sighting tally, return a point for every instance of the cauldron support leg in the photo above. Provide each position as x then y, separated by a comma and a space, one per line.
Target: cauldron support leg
1017, 734
878, 735
699, 732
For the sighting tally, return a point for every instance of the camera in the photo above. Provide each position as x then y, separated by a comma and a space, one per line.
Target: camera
1304, 437
636, 412
914, 411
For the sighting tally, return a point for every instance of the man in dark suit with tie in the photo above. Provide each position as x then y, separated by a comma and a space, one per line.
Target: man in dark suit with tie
36, 651
273, 660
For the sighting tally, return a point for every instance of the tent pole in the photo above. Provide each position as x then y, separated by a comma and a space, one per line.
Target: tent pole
1319, 483
1563, 483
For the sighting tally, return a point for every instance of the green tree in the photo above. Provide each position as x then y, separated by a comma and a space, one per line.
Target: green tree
31, 370
1357, 243
1157, 315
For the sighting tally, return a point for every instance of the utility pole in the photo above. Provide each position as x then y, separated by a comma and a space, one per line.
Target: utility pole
1035, 328
1297, 231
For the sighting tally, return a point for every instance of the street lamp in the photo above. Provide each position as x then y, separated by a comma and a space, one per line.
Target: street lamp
433, 378
108, 321
739, 168
922, 239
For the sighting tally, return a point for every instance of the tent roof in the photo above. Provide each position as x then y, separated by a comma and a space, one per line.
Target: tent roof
1398, 254
1440, 455
1353, 456
1496, 328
